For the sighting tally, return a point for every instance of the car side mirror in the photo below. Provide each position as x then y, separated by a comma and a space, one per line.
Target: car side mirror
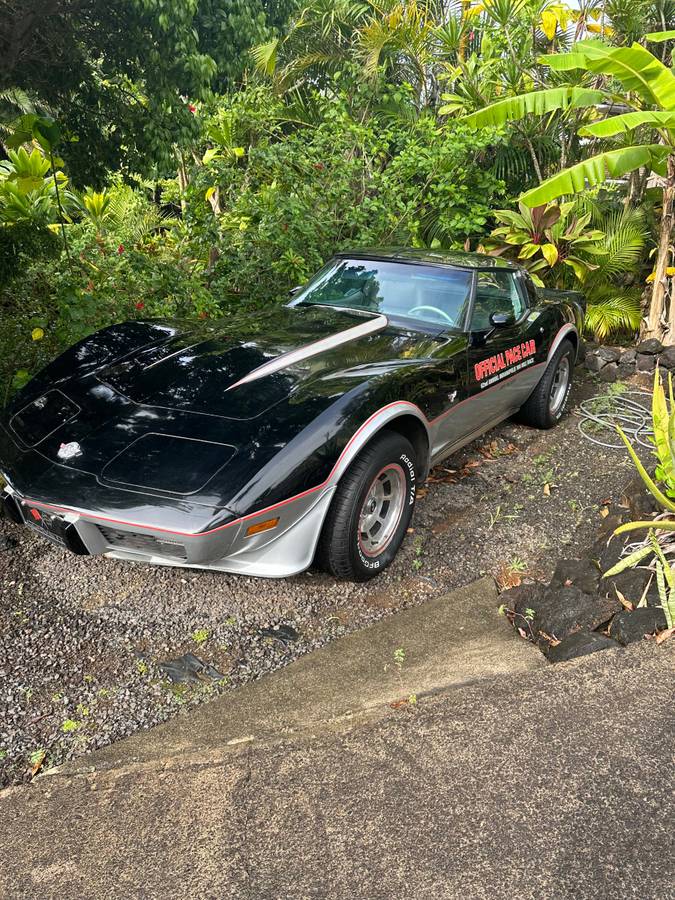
500, 320
295, 290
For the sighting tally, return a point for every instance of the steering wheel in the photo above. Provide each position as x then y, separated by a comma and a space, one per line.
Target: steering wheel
435, 309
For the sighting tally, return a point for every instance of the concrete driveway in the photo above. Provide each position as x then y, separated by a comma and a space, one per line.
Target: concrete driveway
502, 777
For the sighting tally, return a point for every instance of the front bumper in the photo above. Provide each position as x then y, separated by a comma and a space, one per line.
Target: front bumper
286, 550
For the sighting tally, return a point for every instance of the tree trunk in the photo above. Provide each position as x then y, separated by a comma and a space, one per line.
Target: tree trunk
661, 318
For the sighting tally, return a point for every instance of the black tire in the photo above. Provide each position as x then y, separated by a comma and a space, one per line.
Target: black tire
540, 411
343, 549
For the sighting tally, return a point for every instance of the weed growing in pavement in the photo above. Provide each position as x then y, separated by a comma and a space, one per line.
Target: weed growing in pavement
418, 549
142, 667
499, 516
70, 725
200, 635
3, 755
399, 659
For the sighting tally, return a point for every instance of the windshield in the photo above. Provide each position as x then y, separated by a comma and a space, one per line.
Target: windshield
427, 293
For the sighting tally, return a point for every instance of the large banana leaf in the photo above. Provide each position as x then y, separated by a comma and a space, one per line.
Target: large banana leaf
637, 69
594, 171
536, 103
656, 37
628, 121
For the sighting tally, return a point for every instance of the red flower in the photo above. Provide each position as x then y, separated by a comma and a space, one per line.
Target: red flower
193, 109
120, 249
203, 314
140, 305
319, 167
471, 34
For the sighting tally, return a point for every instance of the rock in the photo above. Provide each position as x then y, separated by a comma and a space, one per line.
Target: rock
667, 358
609, 372
611, 554
579, 644
7, 542
628, 627
624, 370
631, 583
609, 354
579, 573
649, 347
645, 362
628, 357
559, 612
593, 363
641, 503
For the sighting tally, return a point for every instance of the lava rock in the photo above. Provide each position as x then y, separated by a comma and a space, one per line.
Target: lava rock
609, 372
628, 627
581, 643
559, 612
579, 573
631, 584
189, 669
7, 542
594, 363
641, 503
624, 371
609, 354
611, 554
627, 358
667, 358
645, 362
650, 347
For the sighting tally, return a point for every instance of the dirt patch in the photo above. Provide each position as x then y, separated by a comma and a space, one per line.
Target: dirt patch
82, 638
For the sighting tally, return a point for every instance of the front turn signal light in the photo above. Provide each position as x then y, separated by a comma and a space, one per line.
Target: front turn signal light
267, 525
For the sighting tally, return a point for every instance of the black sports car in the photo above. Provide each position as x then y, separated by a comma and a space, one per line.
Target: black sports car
304, 435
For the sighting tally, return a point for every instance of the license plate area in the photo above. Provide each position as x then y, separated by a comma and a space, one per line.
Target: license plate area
46, 524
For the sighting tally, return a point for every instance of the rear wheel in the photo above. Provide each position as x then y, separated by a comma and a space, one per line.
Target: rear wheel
548, 402
371, 510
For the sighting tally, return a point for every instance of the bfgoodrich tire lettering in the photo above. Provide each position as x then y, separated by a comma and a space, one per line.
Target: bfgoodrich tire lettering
371, 510
548, 402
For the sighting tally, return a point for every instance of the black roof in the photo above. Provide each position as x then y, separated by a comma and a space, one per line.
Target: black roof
457, 258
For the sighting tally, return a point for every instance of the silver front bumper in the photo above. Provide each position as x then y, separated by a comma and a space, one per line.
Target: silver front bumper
285, 550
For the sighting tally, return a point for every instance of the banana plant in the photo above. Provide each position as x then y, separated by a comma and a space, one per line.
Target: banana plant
628, 76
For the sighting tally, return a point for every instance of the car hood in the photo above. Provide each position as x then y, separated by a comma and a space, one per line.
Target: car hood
211, 398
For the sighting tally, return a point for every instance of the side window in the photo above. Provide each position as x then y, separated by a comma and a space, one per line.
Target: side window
527, 288
496, 292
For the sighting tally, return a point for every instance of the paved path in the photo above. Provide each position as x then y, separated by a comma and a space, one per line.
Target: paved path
510, 779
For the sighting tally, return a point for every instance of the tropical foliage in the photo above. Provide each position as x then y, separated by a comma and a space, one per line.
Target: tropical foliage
204, 157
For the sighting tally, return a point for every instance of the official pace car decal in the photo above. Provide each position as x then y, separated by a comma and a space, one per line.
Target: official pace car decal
505, 363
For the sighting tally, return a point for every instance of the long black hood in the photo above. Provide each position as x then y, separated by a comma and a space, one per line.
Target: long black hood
218, 399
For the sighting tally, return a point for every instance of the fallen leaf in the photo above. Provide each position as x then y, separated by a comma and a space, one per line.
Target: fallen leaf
622, 600
604, 512
547, 490
397, 704
37, 764
664, 635
422, 492
547, 637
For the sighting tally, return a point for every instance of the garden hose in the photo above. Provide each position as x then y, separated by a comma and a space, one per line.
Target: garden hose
630, 410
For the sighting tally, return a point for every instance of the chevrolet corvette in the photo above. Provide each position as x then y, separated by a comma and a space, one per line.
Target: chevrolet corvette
297, 437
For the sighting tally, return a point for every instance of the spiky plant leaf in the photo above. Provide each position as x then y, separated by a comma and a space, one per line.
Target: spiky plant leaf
628, 562
651, 486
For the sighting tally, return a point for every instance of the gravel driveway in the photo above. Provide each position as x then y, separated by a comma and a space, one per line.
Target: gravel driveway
82, 639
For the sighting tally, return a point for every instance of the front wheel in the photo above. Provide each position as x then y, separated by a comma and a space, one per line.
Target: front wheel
371, 510
548, 401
